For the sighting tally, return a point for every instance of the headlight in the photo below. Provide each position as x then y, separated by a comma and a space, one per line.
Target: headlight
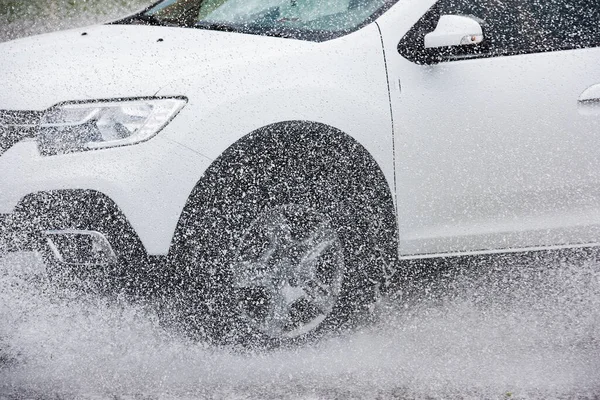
71, 127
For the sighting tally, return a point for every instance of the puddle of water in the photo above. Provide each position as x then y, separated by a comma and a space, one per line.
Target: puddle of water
507, 331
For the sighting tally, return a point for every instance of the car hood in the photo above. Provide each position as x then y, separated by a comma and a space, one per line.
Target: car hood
117, 61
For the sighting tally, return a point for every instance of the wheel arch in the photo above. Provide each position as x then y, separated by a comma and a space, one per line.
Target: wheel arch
283, 140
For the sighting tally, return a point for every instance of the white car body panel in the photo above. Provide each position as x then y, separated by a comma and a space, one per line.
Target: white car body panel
494, 153
150, 182
334, 83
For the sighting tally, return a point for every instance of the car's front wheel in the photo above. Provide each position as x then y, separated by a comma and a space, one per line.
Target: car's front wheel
284, 243
288, 271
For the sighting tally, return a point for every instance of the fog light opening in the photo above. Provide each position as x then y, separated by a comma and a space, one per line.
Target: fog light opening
80, 247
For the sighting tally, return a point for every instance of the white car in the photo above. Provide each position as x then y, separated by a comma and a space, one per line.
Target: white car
282, 155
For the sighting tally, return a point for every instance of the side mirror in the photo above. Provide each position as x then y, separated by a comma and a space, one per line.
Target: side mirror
454, 30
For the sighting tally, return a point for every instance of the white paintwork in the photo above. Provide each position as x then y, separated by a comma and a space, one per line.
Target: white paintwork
454, 30
149, 182
341, 83
490, 155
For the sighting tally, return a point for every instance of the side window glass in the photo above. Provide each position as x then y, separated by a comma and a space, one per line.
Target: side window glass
568, 24
511, 27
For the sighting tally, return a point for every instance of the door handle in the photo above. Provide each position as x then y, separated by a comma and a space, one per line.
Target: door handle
590, 95
589, 101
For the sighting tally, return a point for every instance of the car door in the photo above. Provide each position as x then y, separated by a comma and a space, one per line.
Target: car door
497, 144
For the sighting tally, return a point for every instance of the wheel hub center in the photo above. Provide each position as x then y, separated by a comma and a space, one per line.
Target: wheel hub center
292, 256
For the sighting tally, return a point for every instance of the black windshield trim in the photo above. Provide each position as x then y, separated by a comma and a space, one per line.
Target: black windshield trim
283, 32
145, 19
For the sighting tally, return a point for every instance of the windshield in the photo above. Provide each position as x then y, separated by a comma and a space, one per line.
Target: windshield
302, 19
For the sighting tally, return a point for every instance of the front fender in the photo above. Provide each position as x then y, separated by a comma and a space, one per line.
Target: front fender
341, 83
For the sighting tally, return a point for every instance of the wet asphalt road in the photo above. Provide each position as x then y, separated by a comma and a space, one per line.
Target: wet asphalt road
502, 328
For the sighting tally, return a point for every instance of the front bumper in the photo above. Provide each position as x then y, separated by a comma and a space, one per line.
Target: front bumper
63, 219
7, 240
148, 183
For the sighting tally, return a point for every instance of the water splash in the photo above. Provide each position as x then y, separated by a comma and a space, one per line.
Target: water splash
504, 330
24, 18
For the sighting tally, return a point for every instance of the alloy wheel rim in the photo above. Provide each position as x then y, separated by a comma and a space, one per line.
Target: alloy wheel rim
288, 272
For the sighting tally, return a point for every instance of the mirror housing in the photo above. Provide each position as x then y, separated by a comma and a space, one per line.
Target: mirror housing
455, 30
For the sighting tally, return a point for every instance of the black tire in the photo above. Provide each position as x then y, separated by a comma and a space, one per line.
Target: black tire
311, 167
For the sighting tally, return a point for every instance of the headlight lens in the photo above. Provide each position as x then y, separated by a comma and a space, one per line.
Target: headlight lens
73, 127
